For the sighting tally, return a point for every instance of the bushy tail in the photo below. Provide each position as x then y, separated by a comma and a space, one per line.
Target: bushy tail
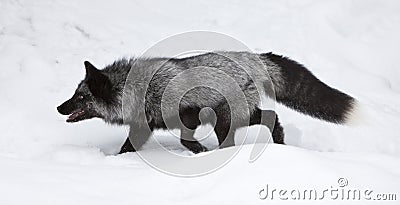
297, 88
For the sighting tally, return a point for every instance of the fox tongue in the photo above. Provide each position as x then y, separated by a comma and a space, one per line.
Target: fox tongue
74, 115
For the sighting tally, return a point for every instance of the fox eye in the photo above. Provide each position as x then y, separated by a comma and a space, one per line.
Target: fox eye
80, 97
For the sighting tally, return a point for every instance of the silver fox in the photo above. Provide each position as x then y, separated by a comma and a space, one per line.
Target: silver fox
161, 93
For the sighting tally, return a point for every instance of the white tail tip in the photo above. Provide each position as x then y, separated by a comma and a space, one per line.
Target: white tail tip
357, 116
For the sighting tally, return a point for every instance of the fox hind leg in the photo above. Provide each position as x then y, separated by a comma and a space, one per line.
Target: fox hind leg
225, 135
277, 134
270, 119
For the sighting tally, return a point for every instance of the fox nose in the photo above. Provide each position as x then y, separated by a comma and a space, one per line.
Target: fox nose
61, 110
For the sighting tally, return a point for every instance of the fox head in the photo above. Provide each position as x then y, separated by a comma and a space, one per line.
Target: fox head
94, 97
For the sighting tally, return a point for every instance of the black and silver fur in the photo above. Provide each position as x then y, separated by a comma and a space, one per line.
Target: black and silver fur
101, 94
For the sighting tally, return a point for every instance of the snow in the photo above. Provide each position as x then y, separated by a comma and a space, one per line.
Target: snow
351, 45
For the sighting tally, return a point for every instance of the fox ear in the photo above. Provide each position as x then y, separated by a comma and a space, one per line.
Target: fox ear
90, 69
98, 83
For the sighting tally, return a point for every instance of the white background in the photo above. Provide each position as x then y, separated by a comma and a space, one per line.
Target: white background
351, 45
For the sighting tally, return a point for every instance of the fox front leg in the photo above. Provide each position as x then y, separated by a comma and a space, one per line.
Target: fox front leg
190, 142
127, 147
190, 120
139, 137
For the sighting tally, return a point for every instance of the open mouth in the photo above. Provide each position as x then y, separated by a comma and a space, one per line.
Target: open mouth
75, 116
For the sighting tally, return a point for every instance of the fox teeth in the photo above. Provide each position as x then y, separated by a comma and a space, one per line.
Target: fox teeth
75, 115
